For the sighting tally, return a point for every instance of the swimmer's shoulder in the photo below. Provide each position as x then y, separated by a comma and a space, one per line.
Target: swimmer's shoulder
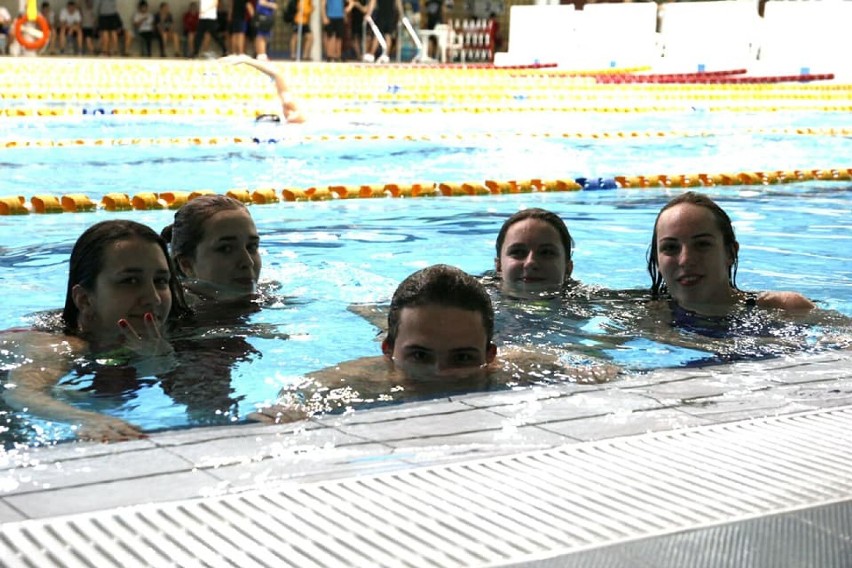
790, 301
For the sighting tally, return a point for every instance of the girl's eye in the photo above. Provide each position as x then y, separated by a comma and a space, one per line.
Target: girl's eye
253, 248
517, 253
130, 280
225, 249
161, 283
419, 357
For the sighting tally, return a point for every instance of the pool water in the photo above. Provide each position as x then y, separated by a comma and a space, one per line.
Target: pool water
322, 257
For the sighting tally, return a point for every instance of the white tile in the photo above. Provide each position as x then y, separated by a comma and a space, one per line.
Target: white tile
20, 457
626, 424
477, 445
205, 434
319, 464
9, 514
266, 442
151, 489
743, 406
523, 395
395, 412
806, 373
466, 420
823, 394
676, 392
582, 404
88, 472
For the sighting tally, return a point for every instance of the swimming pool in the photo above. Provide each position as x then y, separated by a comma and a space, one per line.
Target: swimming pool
326, 255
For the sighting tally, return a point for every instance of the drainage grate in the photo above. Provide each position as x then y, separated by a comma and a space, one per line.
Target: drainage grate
540, 505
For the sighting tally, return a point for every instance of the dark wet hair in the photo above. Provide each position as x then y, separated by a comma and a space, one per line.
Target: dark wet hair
187, 230
87, 262
723, 222
445, 286
548, 217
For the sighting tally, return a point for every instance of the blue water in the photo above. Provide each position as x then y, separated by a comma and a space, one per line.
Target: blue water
325, 256
446, 148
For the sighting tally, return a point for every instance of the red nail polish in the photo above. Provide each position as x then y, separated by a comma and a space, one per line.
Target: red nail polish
123, 323
149, 316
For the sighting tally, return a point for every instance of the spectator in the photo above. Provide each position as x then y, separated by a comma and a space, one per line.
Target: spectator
264, 20
87, 22
302, 25
164, 25
70, 23
332, 22
190, 27
108, 24
5, 25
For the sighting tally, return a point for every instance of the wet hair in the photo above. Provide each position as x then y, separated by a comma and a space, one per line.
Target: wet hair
187, 230
548, 217
87, 262
441, 285
723, 222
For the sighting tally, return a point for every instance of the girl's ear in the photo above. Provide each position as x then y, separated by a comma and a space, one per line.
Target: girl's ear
387, 349
83, 300
497, 266
185, 265
732, 254
569, 268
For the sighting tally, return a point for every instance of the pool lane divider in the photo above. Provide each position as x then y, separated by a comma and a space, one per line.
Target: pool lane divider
461, 136
146, 201
716, 79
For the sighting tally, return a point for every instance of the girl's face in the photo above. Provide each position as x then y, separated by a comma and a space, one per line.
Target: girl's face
440, 344
692, 256
133, 282
532, 260
228, 255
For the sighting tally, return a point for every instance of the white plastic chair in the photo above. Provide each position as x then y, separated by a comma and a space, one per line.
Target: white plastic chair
448, 42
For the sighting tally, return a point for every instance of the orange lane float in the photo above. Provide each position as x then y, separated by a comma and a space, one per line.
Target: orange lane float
46, 204
14, 205
116, 202
145, 201
77, 203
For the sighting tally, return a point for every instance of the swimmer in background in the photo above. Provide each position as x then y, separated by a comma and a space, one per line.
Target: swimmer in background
290, 109
439, 341
122, 293
693, 260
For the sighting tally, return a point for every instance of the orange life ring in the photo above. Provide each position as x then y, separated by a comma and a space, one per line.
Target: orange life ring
36, 44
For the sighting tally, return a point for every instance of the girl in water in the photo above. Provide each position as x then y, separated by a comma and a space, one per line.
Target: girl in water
122, 293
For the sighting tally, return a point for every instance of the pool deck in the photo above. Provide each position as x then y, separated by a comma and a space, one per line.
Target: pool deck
74, 478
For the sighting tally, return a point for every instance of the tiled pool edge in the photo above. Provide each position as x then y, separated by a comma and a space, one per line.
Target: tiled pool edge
73, 478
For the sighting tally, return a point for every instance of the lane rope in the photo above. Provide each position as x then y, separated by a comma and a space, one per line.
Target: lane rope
460, 137
45, 203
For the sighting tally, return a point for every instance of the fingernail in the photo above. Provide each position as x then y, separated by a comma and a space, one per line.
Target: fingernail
123, 323
149, 316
